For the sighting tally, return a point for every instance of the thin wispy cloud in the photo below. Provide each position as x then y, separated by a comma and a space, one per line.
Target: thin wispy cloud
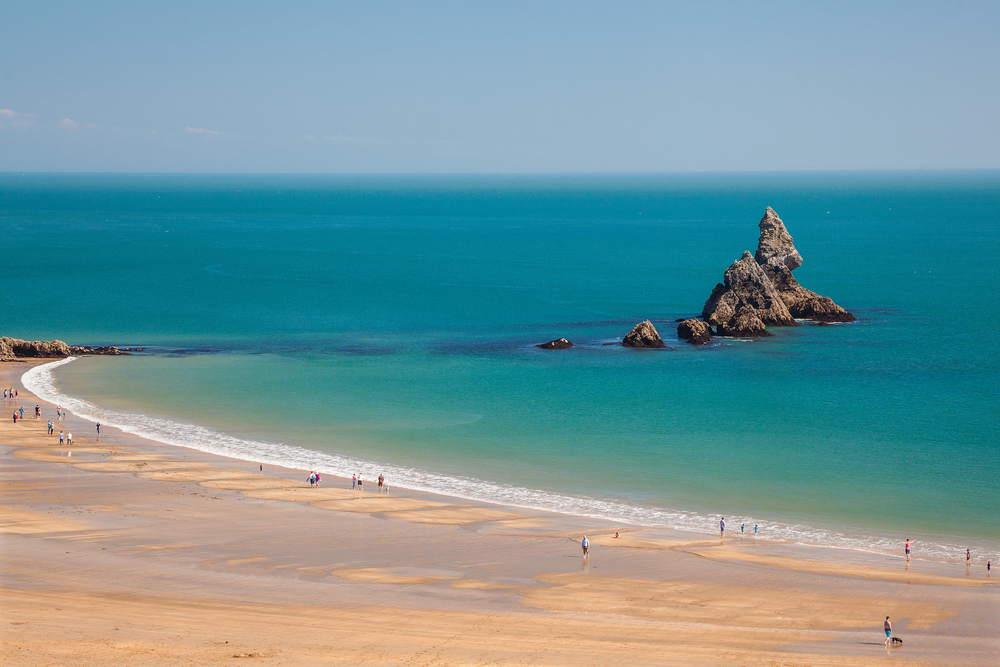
69, 124
15, 119
200, 130
344, 139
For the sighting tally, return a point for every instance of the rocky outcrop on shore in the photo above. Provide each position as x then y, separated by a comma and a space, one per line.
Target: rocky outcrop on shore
694, 331
557, 344
643, 334
15, 348
776, 254
746, 302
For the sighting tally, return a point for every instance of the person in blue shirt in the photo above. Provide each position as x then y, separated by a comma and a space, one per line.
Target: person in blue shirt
586, 545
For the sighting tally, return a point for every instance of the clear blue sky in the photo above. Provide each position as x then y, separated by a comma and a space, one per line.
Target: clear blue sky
498, 87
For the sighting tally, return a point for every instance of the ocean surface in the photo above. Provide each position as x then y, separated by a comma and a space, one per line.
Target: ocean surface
367, 324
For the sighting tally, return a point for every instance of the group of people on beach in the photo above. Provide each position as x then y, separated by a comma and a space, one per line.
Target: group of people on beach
743, 528
10, 395
358, 484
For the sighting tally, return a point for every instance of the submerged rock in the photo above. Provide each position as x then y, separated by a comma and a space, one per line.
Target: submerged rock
777, 256
746, 301
557, 344
106, 349
643, 334
694, 331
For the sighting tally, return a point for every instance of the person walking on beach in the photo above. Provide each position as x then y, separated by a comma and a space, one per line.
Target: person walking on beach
49, 426
381, 480
22, 412
586, 546
968, 558
743, 529
361, 484
755, 530
69, 439
317, 480
888, 631
312, 479
38, 412
722, 527
354, 481
61, 438
98, 430
907, 547
15, 417
261, 468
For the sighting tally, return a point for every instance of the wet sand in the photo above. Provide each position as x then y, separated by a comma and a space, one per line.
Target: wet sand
142, 553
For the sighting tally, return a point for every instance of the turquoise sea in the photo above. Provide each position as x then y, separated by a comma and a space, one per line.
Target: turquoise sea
387, 323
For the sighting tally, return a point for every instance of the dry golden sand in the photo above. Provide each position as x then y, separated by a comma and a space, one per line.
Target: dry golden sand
385, 576
452, 514
137, 630
372, 504
187, 561
201, 475
718, 604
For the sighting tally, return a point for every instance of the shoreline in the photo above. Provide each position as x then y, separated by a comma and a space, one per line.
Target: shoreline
620, 510
150, 551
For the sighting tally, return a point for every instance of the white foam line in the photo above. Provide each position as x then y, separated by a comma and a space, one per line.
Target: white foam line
41, 382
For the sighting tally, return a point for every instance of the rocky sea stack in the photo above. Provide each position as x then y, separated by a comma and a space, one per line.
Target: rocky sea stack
557, 344
759, 291
694, 331
777, 255
643, 334
15, 348
746, 302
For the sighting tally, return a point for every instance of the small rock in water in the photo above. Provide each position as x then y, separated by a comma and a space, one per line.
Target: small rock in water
643, 334
557, 344
694, 331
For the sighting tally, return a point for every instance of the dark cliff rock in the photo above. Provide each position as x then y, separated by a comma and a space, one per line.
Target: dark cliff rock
746, 301
777, 256
694, 331
557, 344
643, 334
15, 348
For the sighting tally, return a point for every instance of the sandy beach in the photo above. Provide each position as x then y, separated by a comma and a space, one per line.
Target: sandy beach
139, 553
